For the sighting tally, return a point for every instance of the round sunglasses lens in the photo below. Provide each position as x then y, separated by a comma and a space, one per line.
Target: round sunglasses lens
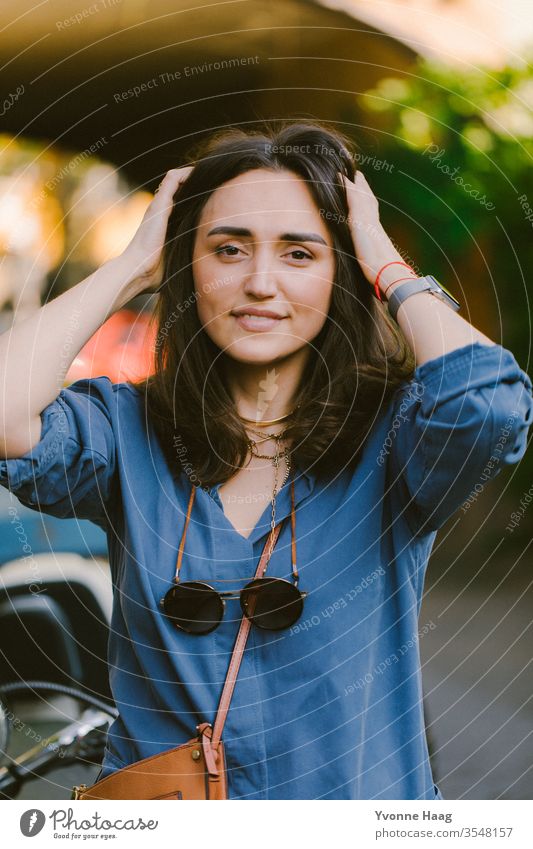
272, 603
194, 607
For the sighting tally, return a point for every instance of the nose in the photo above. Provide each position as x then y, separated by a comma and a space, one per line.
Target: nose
260, 280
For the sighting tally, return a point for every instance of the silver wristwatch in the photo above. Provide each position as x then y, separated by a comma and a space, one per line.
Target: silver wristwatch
420, 284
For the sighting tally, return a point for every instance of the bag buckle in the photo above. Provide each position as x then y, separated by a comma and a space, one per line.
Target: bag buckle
77, 791
205, 731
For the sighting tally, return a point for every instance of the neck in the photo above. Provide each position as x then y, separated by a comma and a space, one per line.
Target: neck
267, 391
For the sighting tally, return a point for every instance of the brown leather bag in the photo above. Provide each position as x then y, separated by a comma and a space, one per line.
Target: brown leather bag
193, 770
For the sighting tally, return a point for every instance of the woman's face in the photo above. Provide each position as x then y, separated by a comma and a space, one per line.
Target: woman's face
261, 244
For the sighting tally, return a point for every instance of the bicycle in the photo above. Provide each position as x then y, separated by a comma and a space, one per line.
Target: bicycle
80, 741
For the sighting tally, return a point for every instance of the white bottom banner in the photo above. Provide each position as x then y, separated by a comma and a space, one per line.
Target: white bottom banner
352, 823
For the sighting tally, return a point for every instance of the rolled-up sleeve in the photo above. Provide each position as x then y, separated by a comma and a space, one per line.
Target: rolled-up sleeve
70, 472
458, 422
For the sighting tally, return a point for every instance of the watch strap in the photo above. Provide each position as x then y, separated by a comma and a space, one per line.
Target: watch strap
399, 295
420, 284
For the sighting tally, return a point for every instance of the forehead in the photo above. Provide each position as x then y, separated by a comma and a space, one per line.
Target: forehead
266, 202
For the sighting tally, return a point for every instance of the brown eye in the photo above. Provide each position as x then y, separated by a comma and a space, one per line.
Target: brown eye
302, 255
221, 251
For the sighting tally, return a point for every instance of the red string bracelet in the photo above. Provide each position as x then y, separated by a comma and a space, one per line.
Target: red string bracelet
395, 281
395, 262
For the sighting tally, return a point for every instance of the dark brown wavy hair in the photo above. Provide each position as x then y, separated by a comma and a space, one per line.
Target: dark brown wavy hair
357, 360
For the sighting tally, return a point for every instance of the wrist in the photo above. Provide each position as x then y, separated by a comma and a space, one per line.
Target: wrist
130, 282
393, 275
394, 281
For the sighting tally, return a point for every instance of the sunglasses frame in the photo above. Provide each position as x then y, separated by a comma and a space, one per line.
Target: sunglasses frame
258, 578
233, 594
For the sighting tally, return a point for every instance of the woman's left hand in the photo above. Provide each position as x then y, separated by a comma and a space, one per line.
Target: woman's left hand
373, 247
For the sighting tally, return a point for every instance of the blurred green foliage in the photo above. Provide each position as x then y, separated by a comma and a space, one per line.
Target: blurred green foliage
450, 158
461, 187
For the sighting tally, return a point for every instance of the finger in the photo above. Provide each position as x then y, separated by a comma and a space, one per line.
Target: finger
355, 205
364, 197
173, 179
163, 199
364, 186
356, 186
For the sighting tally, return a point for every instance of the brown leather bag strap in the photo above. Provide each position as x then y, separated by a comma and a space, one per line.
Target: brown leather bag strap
184, 534
238, 650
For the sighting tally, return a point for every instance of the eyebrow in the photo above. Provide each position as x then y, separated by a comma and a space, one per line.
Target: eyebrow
285, 237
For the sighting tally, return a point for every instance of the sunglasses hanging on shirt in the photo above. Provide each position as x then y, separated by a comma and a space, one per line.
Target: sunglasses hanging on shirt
269, 603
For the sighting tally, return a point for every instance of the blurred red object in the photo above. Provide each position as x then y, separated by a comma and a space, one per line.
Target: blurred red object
122, 349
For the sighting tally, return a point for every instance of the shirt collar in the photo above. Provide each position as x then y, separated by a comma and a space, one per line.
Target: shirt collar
304, 484
309, 478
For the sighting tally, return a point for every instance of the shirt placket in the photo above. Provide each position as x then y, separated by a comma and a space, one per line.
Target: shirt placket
244, 730
243, 734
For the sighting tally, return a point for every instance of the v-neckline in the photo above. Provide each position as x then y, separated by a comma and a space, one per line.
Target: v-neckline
215, 497
303, 485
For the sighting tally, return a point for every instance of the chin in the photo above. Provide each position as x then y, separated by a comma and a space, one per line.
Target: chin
257, 351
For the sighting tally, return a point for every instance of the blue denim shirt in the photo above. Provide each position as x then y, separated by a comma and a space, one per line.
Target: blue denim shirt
332, 707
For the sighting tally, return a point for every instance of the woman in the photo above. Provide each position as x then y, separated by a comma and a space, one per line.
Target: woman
379, 429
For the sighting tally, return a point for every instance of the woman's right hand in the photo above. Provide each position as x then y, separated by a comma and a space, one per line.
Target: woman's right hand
145, 251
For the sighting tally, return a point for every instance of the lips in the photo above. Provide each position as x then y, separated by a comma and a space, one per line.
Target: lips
257, 311
257, 321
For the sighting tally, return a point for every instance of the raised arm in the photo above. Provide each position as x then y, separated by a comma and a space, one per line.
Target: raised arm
36, 353
430, 327
466, 413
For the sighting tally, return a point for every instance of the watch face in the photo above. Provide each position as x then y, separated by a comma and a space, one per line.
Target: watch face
445, 291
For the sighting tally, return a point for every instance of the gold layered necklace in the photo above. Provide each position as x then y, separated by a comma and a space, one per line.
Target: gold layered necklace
270, 422
275, 458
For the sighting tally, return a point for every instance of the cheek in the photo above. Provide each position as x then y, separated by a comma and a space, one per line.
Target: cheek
315, 301
210, 303
216, 294
201, 272
206, 287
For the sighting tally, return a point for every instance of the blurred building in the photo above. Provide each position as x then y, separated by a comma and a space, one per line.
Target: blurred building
462, 32
141, 81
